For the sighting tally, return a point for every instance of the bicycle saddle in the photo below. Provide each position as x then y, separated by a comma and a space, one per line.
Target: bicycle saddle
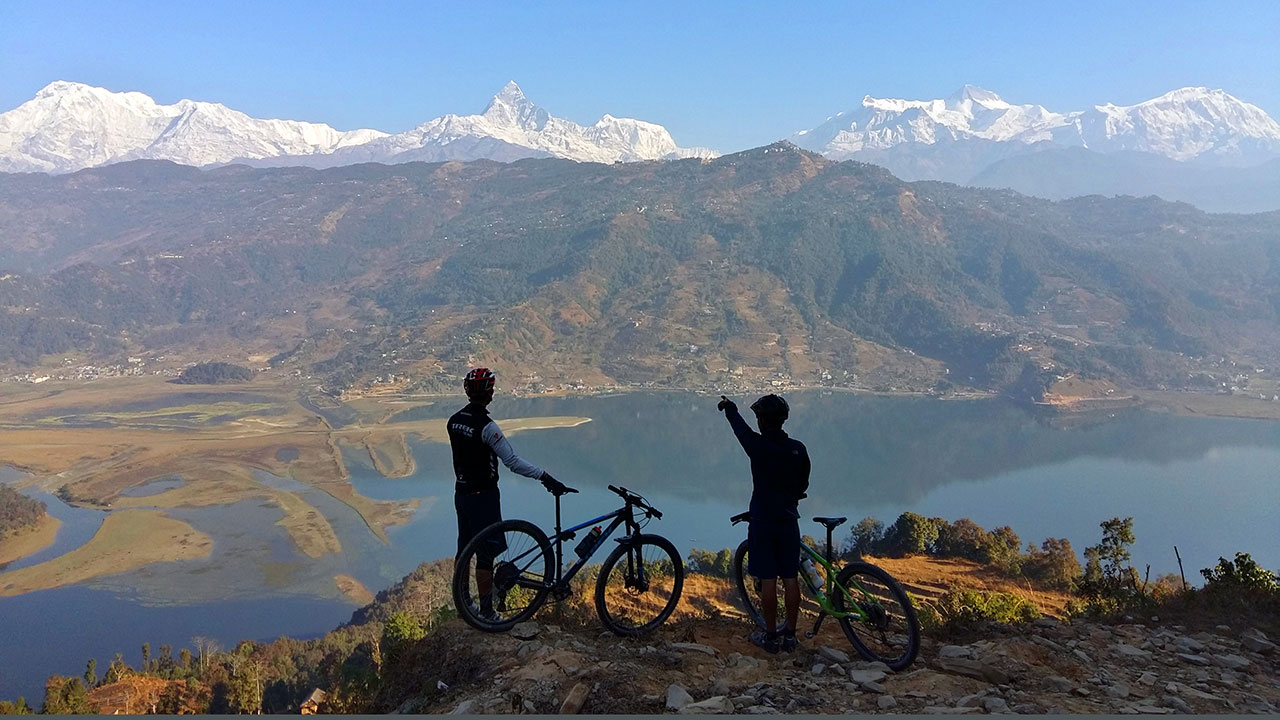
830, 522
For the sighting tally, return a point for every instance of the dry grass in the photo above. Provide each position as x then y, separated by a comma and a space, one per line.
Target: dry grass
127, 540
929, 577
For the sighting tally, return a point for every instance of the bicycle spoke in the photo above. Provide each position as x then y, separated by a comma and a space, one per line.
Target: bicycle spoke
889, 631
638, 587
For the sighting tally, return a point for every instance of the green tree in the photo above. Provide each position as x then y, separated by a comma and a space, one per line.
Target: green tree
65, 696
1242, 574
911, 534
146, 657
184, 659
865, 537
116, 669
400, 629
1113, 551
91, 673
965, 539
15, 708
1054, 564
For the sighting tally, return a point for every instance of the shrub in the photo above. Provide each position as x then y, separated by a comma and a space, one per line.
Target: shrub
965, 608
1242, 574
705, 562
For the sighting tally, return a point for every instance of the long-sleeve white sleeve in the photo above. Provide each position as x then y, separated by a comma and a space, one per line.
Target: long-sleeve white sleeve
494, 438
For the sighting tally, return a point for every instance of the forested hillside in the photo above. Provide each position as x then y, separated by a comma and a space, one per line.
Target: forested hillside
771, 265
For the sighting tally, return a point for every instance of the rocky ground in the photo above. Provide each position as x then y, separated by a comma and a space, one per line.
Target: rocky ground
706, 666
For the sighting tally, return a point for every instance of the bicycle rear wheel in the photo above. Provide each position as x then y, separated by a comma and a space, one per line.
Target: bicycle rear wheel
639, 585
523, 566
891, 633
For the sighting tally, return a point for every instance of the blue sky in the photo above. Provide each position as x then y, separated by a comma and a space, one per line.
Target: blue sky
728, 75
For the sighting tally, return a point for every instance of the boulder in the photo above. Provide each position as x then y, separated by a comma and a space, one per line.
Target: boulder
1118, 690
955, 651
994, 704
1057, 683
466, 707
677, 697
526, 630
974, 669
866, 676
833, 654
1260, 645
1130, 652
576, 698
1230, 661
718, 705
1194, 659
695, 647
885, 702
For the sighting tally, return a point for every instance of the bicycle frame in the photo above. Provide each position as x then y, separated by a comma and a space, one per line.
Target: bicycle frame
824, 600
621, 516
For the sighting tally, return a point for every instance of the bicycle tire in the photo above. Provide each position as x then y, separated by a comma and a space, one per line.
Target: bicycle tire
462, 574
614, 620
875, 628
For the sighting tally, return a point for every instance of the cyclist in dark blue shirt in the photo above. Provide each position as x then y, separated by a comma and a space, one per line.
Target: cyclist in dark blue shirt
780, 478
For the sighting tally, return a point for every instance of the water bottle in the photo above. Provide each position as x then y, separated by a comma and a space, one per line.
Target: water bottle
584, 548
814, 577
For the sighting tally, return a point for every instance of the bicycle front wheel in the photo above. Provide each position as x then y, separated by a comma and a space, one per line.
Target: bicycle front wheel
639, 585
503, 575
890, 632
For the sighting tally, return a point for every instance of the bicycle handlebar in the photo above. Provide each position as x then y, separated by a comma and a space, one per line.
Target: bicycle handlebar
635, 499
740, 517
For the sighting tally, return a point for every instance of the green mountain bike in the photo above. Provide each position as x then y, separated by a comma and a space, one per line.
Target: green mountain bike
872, 609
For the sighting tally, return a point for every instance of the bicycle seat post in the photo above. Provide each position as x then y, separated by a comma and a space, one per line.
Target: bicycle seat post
559, 551
829, 549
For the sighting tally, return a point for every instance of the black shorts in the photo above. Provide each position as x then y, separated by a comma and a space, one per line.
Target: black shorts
475, 513
773, 549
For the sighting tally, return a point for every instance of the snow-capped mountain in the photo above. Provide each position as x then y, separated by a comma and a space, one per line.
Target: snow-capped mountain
512, 127
70, 126
1185, 124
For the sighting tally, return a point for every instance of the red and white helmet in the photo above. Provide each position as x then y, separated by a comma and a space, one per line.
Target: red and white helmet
479, 382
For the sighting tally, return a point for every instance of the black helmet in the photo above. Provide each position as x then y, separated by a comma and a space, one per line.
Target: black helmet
771, 408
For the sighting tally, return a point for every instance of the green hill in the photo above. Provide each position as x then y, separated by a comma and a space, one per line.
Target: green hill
769, 265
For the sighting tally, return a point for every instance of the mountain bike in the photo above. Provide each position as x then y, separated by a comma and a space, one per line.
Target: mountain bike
637, 588
872, 609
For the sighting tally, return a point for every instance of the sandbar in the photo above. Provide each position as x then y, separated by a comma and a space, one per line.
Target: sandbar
127, 540
29, 540
353, 589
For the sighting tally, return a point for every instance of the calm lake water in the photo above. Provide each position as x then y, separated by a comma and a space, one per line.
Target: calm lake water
1209, 486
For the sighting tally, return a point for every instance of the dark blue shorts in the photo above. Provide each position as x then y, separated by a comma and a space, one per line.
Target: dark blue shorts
475, 513
773, 549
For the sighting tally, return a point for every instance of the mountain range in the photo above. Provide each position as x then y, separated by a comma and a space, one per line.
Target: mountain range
71, 126
1194, 144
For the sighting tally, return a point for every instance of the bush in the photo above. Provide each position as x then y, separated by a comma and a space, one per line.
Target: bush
965, 608
705, 562
1244, 574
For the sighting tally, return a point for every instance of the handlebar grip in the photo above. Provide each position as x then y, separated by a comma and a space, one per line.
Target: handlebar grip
569, 490
655, 512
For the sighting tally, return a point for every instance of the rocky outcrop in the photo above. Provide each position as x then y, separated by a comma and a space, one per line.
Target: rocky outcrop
709, 668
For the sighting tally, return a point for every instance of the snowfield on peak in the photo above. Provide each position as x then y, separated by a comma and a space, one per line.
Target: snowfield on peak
71, 126
1184, 124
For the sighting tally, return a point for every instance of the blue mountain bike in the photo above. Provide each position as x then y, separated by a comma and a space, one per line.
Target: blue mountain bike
518, 568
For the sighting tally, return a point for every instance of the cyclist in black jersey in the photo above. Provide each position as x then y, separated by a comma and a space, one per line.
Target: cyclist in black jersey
780, 478
478, 444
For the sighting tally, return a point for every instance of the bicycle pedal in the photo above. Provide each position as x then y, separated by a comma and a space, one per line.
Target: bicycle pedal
808, 634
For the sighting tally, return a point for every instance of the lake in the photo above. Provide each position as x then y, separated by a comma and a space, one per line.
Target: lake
1209, 486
